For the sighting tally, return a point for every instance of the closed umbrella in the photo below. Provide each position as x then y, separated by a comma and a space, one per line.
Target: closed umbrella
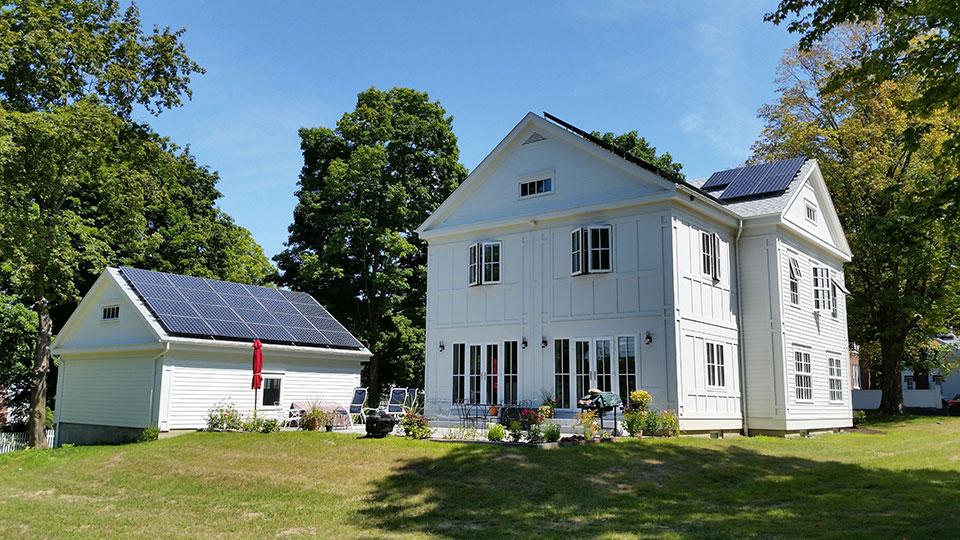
257, 368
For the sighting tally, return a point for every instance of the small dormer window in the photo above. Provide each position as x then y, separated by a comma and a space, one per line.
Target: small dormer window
811, 213
110, 313
540, 186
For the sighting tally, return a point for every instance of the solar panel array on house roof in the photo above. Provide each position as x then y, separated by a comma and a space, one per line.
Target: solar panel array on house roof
191, 306
756, 179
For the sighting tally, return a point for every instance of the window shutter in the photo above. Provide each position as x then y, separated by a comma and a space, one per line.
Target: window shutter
585, 249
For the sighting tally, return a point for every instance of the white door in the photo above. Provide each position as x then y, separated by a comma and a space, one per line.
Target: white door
491, 374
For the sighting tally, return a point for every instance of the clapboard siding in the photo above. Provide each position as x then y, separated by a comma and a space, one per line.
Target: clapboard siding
112, 391
201, 381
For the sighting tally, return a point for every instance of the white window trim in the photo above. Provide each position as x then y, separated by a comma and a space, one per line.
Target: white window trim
576, 255
831, 358
822, 300
475, 270
808, 361
810, 207
636, 363
271, 375
794, 277
720, 368
105, 307
543, 175
710, 253
590, 230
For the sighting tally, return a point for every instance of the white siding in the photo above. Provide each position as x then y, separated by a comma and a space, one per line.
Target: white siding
89, 331
109, 391
200, 380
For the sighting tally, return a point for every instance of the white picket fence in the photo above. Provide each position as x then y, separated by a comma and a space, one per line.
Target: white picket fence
10, 442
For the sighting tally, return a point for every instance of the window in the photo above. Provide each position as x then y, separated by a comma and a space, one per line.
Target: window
604, 365
591, 250
459, 371
627, 364
833, 297
484, 263
271, 392
803, 377
536, 187
582, 364
716, 376
493, 369
510, 372
110, 313
710, 251
795, 282
561, 370
821, 288
855, 377
576, 252
911, 385
836, 382
473, 395
811, 213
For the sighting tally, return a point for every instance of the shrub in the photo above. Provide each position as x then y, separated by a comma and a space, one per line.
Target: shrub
516, 431
269, 426
223, 416
552, 432
48, 421
152, 433
545, 411
252, 424
587, 420
634, 421
534, 435
496, 432
415, 426
639, 400
661, 424
859, 417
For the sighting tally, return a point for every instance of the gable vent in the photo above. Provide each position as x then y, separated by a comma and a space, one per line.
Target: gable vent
534, 137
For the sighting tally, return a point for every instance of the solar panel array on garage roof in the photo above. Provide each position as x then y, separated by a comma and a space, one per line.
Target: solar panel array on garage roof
191, 306
755, 180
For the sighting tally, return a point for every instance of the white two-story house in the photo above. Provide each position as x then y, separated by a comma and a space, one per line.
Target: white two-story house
561, 265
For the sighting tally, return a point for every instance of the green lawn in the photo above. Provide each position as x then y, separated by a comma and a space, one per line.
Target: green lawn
905, 484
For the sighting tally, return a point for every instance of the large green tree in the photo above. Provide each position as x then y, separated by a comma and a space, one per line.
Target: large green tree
365, 186
634, 144
894, 196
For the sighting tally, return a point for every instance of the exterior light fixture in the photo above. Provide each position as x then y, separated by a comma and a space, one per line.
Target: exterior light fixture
543, 343
524, 342
647, 339
441, 346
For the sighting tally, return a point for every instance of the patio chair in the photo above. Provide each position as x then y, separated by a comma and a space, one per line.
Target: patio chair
358, 407
397, 398
410, 401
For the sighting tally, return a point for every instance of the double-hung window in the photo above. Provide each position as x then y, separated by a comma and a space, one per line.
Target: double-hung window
271, 391
804, 380
716, 377
484, 263
710, 253
821, 288
591, 250
836, 379
795, 277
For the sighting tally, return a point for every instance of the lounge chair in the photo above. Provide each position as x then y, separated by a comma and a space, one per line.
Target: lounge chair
410, 402
358, 407
398, 397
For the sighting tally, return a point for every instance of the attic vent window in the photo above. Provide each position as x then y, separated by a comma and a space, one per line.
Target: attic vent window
534, 137
541, 186
811, 213
110, 313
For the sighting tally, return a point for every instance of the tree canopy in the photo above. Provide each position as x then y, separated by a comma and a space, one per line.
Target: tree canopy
365, 186
894, 198
634, 144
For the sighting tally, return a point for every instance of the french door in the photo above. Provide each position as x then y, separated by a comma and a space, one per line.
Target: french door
585, 363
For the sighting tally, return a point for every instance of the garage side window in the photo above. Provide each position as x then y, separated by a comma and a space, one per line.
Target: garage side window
110, 313
271, 391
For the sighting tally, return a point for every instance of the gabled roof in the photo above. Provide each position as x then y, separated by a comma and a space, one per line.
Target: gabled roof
196, 310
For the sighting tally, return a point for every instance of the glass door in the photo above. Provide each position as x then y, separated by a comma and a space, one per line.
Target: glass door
510, 373
475, 364
603, 366
626, 366
584, 373
491, 388
561, 372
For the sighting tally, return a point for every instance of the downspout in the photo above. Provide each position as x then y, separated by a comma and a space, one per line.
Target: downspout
153, 387
743, 368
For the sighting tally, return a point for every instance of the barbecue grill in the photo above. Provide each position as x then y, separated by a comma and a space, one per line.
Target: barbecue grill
602, 402
379, 424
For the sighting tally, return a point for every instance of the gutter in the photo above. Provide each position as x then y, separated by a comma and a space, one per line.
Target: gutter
153, 387
743, 367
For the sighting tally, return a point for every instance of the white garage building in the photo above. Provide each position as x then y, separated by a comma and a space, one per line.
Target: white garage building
153, 349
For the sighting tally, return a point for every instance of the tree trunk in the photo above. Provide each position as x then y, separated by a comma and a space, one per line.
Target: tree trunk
891, 353
41, 368
373, 375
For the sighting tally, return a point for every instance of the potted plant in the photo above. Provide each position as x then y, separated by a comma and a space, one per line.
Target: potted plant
328, 419
314, 418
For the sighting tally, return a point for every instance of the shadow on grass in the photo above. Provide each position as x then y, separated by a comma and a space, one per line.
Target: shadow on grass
642, 489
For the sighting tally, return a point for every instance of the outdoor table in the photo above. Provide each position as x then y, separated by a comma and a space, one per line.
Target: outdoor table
341, 417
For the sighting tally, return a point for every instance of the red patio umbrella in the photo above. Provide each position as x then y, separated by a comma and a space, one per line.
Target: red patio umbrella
257, 368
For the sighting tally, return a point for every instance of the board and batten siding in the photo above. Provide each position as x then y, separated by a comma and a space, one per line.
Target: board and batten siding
706, 313
197, 382
539, 298
109, 391
823, 337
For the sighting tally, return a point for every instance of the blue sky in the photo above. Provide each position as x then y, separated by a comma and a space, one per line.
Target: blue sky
689, 77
